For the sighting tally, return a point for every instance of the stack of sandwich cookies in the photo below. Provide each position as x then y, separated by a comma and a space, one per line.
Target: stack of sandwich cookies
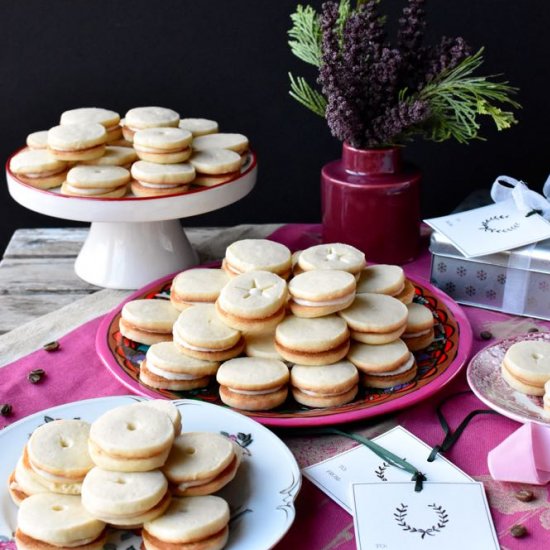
24, 482
37, 140
201, 463
57, 454
96, 182
419, 333
375, 318
49, 521
197, 286
165, 406
153, 180
141, 118
131, 439
261, 346
232, 142
125, 499
190, 523
253, 384
385, 365
76, 142
319, 341
215, 166
166, 367
163, 145
148, 321
381, 279
342, 257
253, 302
38, 168
324, 386
526, 366
199, 126
321, 292
115, 156
199, 333
94, 115
257, 255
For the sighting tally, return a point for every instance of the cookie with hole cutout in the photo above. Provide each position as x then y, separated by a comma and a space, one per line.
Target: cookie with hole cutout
526, 366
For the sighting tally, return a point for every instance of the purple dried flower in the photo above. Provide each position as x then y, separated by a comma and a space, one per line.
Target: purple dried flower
446, 56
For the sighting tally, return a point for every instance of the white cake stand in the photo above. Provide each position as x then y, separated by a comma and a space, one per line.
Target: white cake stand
133, 240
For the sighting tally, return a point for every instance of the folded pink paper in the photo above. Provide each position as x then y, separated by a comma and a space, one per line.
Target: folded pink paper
523, 457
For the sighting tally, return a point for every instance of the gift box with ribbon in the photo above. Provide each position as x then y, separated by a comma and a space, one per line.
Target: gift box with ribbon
513, 281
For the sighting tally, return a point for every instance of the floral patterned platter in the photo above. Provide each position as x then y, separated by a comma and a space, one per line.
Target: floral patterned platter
261, 497
485, 380
437, 364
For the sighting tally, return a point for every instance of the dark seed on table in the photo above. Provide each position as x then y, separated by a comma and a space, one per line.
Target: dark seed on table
486, 335
518, 530
533, 329
525, 495
51, 346
35, 376
5, 409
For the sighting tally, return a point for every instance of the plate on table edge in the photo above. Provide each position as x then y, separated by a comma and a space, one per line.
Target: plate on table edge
447, 358
484, 378
261, 497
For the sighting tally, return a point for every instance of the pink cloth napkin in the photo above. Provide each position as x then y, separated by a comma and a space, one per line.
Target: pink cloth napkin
74, 372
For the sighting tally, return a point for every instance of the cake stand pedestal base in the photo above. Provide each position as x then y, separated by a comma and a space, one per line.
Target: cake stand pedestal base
129, 255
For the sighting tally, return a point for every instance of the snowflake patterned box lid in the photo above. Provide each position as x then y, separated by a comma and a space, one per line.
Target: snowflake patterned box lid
514, 281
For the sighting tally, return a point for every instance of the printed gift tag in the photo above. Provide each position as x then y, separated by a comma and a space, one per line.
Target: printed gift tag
335, 475
453, 516
491, 229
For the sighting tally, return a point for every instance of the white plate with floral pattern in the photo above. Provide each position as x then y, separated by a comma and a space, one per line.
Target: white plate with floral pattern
486, 382
261, 497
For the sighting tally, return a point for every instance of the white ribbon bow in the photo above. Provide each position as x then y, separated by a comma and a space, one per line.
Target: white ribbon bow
527, 200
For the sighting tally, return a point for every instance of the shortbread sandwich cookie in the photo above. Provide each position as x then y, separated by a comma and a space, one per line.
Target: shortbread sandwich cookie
407, 294
261, 346
152, 179
381, 358
201, 463
148, 321
199, 333
319, 341
199, 126
388, 379
140, 118
253, 302
58, 453
163, 145
526, 366
38, 168
166, 407
49, 521
321, 292
24, 482
75, 142
190, 523
419, 333
324, 386
253, 384
342, 257
296, 269
197, 286
375, 318
115, 155
37, 140
96, 182
232, 142
125, 499
257, 255
215, 166
131, 439
86, 115
381, 279
166, 367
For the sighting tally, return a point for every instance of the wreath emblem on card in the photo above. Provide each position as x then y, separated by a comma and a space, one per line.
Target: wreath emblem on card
400, 516
486, 224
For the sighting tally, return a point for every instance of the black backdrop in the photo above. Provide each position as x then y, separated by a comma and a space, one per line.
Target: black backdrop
228, 60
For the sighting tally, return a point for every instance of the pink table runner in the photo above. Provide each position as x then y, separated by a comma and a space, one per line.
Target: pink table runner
74, 372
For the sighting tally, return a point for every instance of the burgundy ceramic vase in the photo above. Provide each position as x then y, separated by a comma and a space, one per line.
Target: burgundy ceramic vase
371, 200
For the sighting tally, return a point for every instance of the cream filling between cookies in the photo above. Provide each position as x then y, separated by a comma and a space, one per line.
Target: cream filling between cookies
90, 190
198, 348
323, 394
171, 375
255, 392
46, 174
403, 368
159, 151
336, 302
53, 477
415, 334
159, 185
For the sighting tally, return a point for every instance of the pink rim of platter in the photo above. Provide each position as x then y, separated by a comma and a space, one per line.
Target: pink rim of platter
485, 380
438, 365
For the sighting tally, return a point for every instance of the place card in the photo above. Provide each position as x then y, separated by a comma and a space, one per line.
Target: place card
335, 475
491, 229
392, 516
